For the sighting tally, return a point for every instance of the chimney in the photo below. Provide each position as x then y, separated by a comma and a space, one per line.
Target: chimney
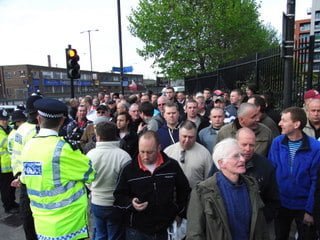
49, 60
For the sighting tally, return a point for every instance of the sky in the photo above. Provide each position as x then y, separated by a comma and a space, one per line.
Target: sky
31, 30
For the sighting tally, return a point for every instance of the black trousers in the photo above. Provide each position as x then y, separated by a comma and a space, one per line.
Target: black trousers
283, 223
26, 214
7, 192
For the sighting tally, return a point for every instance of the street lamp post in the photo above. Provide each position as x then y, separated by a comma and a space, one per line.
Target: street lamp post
120, 46
90, 53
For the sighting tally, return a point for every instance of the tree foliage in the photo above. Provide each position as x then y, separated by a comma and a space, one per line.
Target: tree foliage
188, 37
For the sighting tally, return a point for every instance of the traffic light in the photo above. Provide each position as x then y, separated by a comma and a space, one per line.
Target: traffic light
73, 67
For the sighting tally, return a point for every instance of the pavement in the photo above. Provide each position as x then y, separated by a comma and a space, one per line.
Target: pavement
11, 225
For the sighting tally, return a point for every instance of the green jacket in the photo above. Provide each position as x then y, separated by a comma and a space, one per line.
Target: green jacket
207, 217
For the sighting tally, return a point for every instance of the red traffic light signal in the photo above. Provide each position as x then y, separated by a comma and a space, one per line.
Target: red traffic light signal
73, 67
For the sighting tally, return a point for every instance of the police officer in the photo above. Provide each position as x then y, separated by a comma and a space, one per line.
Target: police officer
24, 133
6, 176
55, 175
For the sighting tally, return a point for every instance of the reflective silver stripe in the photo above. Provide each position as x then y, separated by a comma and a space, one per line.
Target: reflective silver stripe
3, 142
60, 204
56, 163
90, 170
4, 152
64, 237
6, 169
16, 152
54, 192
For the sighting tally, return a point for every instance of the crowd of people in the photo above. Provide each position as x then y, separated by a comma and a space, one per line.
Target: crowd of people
218, 165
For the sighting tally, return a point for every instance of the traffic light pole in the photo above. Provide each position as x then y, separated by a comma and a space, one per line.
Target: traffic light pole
72, 87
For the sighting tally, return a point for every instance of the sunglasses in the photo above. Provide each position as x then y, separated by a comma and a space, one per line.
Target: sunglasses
101, 112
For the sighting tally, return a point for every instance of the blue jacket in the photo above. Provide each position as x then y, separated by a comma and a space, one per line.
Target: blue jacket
167, 137
296, 188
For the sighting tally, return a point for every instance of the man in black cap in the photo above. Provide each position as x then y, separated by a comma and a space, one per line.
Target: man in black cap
6, 176
24, 133
55, 174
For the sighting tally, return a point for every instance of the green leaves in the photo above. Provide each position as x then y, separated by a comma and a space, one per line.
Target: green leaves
188, 37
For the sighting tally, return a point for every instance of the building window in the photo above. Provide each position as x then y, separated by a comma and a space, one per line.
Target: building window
8, 75
47, 75
317, 35
304, 36
305, 27
316, 56
316, 66
317, 25
317, 15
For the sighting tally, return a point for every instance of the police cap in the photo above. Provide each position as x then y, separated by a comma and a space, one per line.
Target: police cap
29, 104
17, 116
51, 108
4, 115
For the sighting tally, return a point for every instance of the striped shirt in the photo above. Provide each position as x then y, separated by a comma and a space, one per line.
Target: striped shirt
293, 148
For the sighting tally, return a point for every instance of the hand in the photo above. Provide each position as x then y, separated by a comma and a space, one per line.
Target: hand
16, 183
141, 126
308, 219
139, 206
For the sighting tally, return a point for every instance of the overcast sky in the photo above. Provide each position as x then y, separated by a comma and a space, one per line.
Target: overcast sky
32, 29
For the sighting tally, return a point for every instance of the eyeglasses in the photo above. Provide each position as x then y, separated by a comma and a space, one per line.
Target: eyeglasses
101, 112
236, 156
161, 104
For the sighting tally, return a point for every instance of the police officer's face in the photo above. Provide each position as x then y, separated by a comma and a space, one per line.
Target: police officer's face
148, 150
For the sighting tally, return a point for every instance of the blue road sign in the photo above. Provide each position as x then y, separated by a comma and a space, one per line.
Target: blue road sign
125, 69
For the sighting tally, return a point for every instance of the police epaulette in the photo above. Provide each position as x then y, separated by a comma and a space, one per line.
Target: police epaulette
73, 144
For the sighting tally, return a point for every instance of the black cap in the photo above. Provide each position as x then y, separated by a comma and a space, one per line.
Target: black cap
17, 116
51, 108
4, 115
29, 105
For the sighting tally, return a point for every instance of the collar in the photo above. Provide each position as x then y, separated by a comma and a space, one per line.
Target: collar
158, 162
44, 132
305, 142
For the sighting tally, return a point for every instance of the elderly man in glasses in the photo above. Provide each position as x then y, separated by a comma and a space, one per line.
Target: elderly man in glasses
227, 205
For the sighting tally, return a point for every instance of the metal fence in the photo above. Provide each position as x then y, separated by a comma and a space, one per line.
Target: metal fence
266, 71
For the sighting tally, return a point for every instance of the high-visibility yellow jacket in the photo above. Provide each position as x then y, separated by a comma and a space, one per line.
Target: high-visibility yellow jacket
24, 133
55, 176
5, 158
11, 137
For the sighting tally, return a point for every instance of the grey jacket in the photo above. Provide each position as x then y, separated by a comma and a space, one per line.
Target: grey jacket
262, 132
207, 217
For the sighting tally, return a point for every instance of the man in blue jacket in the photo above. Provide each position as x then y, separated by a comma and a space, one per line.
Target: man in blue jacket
296, 158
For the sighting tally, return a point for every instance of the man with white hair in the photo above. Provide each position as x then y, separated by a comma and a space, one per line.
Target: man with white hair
227, 205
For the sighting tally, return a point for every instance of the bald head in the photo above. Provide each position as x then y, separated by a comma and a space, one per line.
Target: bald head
247, 142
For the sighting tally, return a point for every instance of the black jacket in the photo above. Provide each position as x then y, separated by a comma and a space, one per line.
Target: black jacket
166, 191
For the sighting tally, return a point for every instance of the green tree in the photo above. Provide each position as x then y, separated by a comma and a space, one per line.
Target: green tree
188, 37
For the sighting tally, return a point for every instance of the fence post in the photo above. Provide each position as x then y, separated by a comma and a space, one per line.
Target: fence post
288, 45
310, 62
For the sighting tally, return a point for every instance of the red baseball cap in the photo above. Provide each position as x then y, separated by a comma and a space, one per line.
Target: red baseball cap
217, 92
312, 93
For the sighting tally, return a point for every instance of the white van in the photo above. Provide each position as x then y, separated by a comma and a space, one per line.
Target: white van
8, 108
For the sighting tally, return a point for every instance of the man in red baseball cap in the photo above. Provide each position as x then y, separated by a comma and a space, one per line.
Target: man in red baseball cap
308, 95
